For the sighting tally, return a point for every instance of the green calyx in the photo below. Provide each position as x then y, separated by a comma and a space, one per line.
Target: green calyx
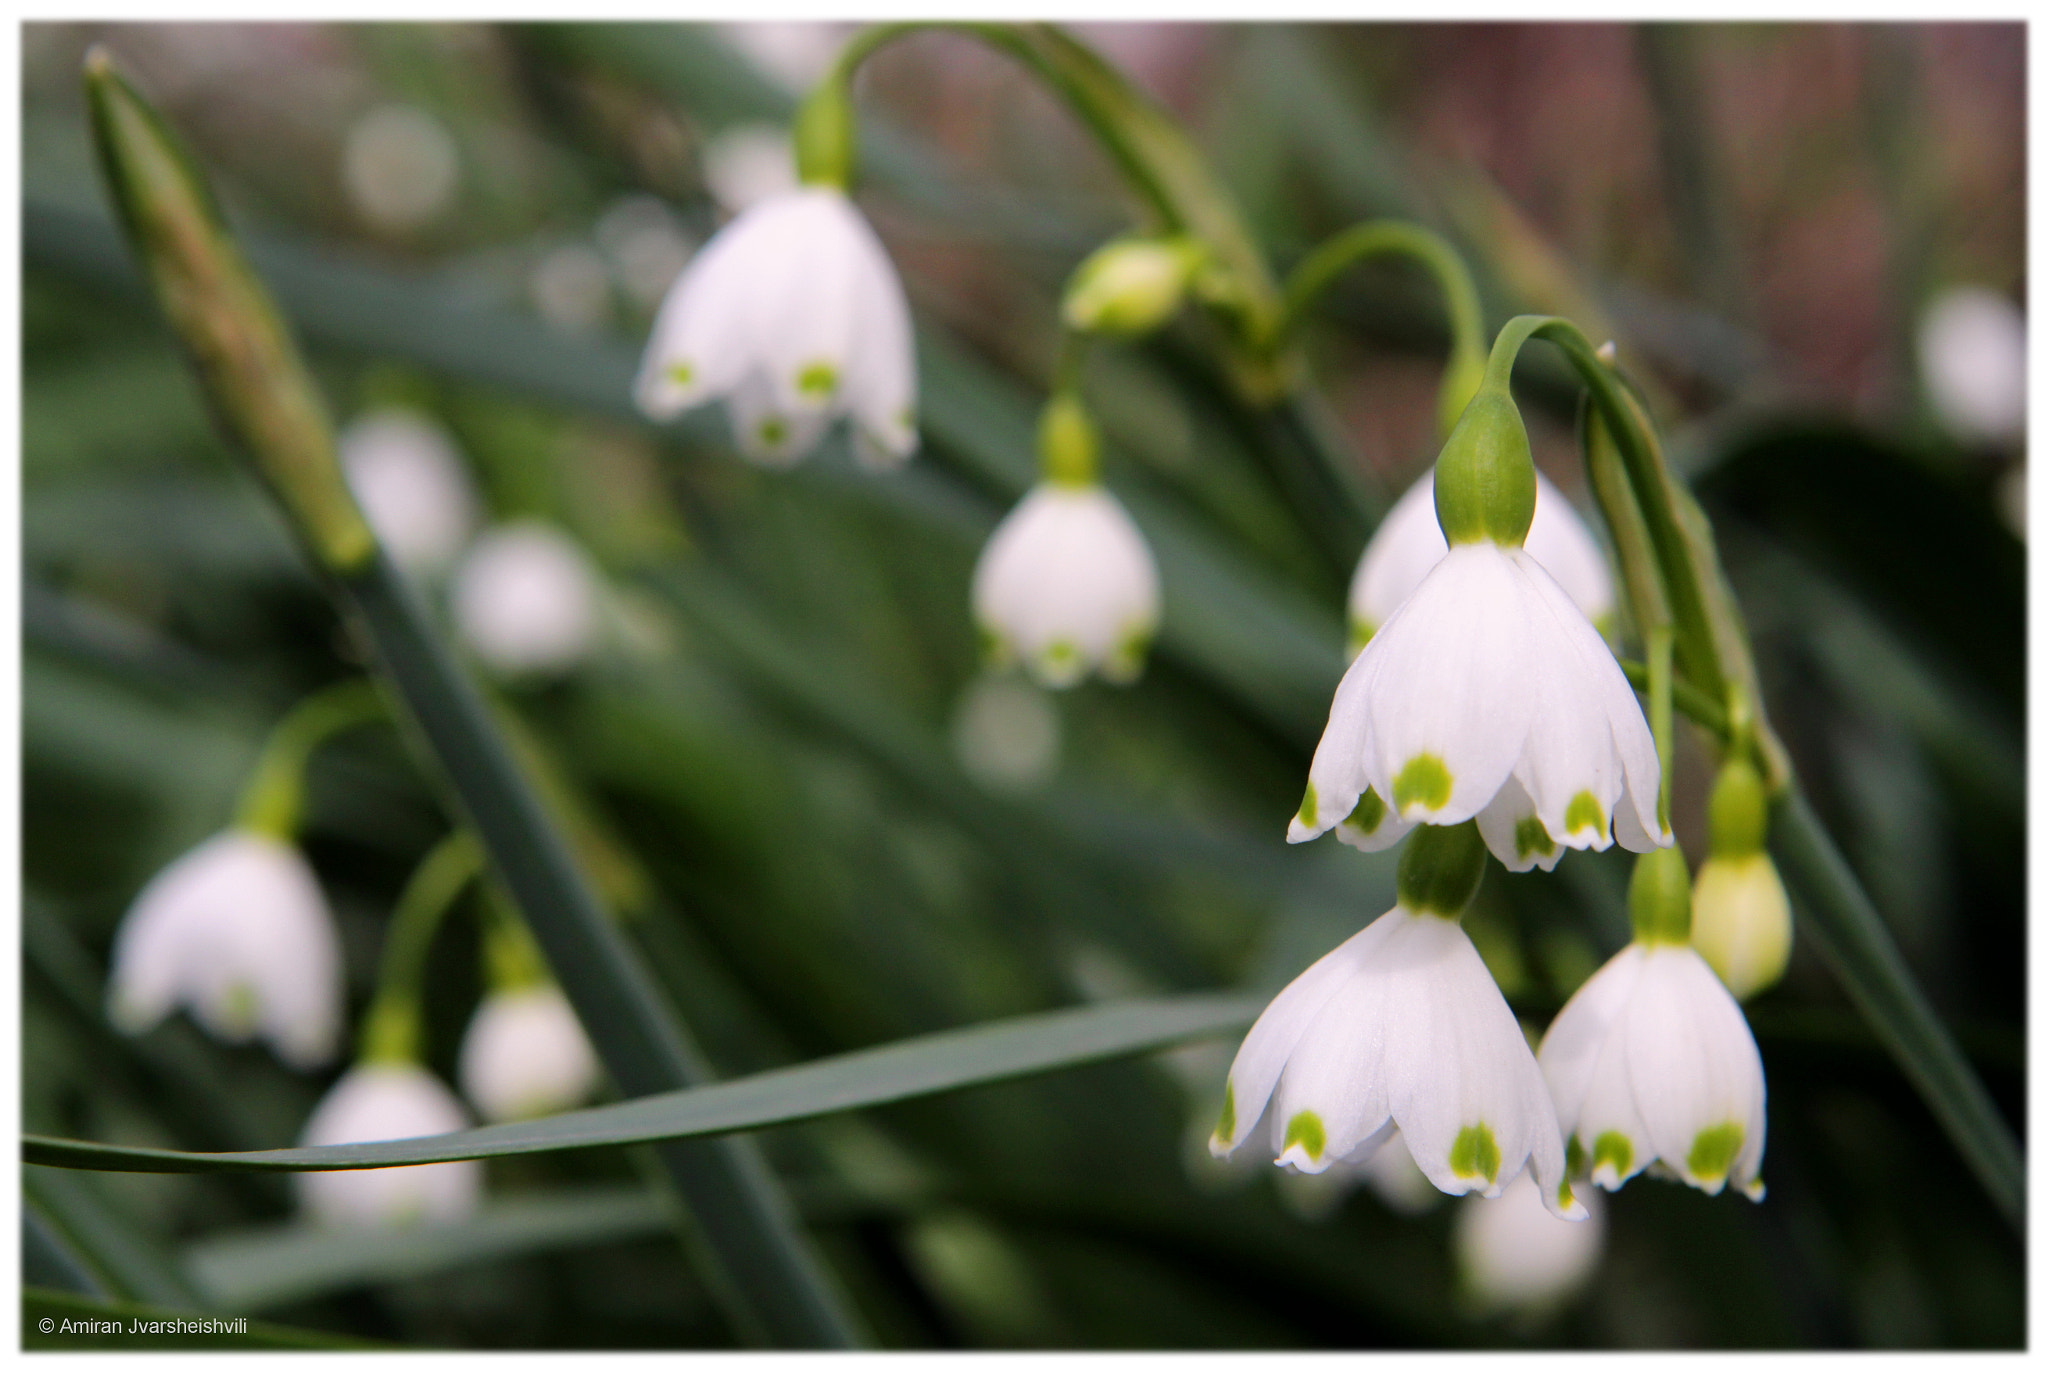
1660, 897
1130, 286
1440, 869
823, 138
1485, 478
1738, 811
391, 1030
1067, 443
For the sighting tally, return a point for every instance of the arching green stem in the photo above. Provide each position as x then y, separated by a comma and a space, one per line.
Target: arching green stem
274, 799
1660, 716
391, 1029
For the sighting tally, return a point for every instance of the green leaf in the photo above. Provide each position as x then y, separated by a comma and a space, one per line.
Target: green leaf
868, 1077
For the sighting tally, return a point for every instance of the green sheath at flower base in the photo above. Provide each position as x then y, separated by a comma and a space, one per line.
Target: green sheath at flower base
248, 365
1660, 897
824, 136
1738, 811
1131, 286
1440, 869
1485, 478
1067, 443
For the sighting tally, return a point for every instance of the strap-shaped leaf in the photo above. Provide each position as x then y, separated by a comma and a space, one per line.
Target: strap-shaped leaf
921, 1066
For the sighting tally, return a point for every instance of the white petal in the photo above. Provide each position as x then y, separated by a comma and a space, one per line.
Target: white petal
1336, 775
765, 430
526, 599
525, 1055
381, 1101
1559, 540
1693, 1064
805, 318
701, 341
1514, 834
1571, 1047
1407, 544
1512, 1254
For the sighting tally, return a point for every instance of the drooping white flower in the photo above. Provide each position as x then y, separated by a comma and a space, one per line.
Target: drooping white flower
1651, 1061
1068, 585
526, 600
238, 932
794, 315
1512, 1254
409, 479
1973, 355
1409, 542
380, 1101
525, 1055
1398, 1034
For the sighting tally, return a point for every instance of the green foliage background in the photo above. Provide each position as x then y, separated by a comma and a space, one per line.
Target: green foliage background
770, 777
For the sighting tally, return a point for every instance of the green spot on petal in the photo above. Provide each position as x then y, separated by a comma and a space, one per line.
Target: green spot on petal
1060, 654
1584, 814
1307, 813
1226, 1123
820, 379
1713, 1150
1365, 817
1306, 1129
681, 373
1564, 1195
239, 1007
773, 431
1613, 1148
1474, 1154
1531, 837
1425, 781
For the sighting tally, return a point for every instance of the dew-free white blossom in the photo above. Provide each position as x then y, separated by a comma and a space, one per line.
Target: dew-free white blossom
1399, 1034
1068, 585
1742, 922
1973, 355
380, 1101
1487, 693
526, 600
1409, 542
1513, 1254
408, 477
792, 314
237, 932
1650, 1062
525, 1055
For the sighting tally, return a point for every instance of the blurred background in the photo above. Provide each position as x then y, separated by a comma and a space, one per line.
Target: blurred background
827, 827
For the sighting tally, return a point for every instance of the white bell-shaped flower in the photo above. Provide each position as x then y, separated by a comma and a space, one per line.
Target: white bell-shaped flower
526, 600
1651, 1061
525, 1055
380, 1101
238, 932
1409, 542
1512, 1254
1487, 694
1973, 355
794, 315
1068, 586
409, 479
1400, 1034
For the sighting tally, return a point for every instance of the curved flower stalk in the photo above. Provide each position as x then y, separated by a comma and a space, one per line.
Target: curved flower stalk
793, 315
525, 600
1651, 1063
1487, 694
1410, 542
238, 932
1400, 1033
1067, 584
388, 1100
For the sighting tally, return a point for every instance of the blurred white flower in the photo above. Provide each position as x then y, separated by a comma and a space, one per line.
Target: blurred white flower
409, 479
526, 600
572, 289
238, 932
380, 1101
1068, 585
1651, 1061
399, 165
646, 245
793, 315
1398, 1038
1973, 357
1487, 694
1409, 543
1512, 1254
525, 1055
749, 163
1404, 1188
1006, 734
1742, 921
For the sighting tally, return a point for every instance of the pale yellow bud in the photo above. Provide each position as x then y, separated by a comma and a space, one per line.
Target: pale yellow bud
1130, 286
1741, 922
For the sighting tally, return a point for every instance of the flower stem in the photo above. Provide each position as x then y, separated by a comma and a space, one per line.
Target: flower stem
273, 802
391, 1028
1660, 716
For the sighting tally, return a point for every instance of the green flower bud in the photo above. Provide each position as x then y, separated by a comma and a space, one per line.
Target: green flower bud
1440, 869
1485, 478
1742, 922
1660, 897
1067, 444
1738, 812
1130, 286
